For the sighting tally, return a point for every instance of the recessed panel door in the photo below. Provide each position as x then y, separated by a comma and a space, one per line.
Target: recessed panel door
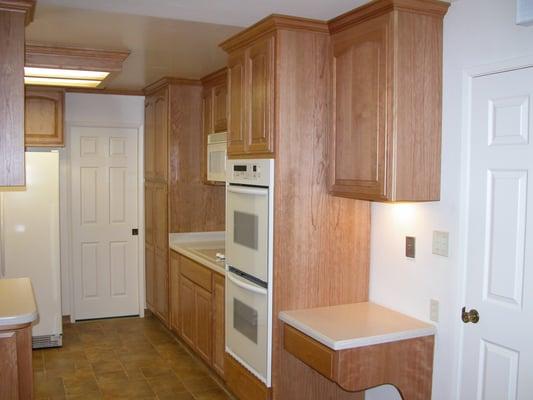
104, 171
497, 357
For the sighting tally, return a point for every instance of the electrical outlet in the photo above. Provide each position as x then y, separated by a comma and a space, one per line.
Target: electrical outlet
434, 310
410, 246
440, 243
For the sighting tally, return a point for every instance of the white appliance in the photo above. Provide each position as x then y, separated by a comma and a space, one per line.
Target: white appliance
249, 231
216, 157
29, 242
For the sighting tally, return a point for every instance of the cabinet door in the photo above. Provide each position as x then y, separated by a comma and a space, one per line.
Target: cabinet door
161, 284
207, 127
359, 153
161, 134
43, 117
204, 325
187, 311
160, 216
149, 138
259, 122
149, 229
174, 292
220, 99
149, 255
218, 323
236, 115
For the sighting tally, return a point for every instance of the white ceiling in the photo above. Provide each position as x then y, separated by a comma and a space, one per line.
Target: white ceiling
225, 12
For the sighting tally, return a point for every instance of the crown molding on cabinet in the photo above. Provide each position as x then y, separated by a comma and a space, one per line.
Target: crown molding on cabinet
270, 24
380, 7
25, 6
154, 87
214, 78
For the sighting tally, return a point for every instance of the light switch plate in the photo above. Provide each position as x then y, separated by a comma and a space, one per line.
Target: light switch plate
410, 246
440, 243
434, 310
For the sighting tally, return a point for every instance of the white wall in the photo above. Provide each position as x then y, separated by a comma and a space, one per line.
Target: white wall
103, 110
476, 32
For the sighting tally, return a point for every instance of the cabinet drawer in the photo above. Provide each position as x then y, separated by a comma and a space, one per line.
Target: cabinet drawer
196, 273
308, 350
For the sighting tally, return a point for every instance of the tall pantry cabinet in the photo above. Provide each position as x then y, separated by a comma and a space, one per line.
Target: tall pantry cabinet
174, 186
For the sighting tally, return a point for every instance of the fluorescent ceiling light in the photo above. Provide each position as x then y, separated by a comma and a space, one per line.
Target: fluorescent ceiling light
30, 80
65, 73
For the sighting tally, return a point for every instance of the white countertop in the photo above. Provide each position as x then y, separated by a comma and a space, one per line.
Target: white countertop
17, 302
354, 325
200, 247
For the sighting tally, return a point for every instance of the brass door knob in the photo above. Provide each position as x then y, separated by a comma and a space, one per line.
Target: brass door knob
470, 316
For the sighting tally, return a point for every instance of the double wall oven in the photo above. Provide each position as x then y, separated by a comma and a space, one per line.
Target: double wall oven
249, 226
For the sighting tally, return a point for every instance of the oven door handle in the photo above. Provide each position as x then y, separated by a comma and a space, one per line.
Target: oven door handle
247, 190
246, 286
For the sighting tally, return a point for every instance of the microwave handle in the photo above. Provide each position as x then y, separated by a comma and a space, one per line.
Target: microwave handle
246, 286
247, 190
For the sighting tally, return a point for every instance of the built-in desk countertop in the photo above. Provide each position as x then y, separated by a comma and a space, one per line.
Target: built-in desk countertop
17, 302
363, 345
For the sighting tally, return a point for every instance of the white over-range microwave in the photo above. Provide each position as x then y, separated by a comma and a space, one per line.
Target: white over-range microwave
216, 157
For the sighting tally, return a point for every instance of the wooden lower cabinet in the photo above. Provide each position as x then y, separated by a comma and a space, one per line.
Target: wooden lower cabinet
174, 292
204, 323
150, 275
187, 310
197, 309
16, 375
219, 329
242, 383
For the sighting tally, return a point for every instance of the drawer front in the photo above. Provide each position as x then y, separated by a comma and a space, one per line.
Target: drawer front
311, 352
197, 273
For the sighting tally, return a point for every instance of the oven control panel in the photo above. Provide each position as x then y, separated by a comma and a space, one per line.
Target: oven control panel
250, 172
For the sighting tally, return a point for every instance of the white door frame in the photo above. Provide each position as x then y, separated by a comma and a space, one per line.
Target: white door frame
66, 210
468, 76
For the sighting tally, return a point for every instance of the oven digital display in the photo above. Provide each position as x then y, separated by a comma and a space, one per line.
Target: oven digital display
240, 168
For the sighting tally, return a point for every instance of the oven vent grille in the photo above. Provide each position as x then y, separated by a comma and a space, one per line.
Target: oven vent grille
40, 342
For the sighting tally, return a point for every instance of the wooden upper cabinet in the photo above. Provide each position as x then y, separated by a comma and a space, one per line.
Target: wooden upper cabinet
149, 138
220, 99
236, 102
161, 134
43, 117
387, 85
251, 99
260, 103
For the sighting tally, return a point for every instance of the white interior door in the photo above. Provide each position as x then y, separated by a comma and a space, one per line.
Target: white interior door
104, 168
497, 359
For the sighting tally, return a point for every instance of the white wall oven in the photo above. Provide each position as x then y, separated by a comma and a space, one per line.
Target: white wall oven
249, 225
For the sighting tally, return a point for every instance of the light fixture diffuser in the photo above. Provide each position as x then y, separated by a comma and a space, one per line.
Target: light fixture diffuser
65, 73
83, 83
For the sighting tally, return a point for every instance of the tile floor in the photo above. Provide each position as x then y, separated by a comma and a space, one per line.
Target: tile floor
126, 358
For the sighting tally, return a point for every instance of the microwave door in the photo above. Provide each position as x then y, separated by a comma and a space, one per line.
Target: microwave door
247, 230
247, 331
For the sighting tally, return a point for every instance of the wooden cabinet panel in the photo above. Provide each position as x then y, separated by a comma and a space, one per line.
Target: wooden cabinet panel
161, 134
12, 172
220, 99
160, 216
161, 284
149, 255
204, 320
149, 229
187, 311
360, 85
8, 365
219, 305
174, 292
236, 103
260, 91
43, 117
16, 376
149, 138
